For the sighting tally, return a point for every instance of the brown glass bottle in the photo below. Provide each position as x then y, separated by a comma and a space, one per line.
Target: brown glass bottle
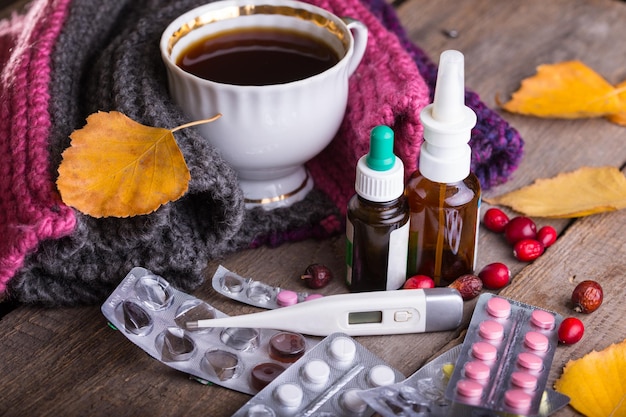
377, 219
376, 244
443, 227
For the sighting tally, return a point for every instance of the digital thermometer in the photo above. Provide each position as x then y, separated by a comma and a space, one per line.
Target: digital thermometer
358, 314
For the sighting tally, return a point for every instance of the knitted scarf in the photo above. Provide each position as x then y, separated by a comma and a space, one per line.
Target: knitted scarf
62, 60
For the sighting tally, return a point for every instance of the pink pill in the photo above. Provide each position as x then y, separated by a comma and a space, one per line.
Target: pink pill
476, 370
491, 330
313, 297
542, 319
484, 351
468, 388
286, 298
499, 307
530, 361
536, 341
517, 399
524, 380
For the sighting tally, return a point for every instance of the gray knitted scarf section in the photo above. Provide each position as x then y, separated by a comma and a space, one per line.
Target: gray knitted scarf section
104, 60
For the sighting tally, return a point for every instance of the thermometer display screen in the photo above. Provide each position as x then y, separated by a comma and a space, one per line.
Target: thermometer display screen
362, 317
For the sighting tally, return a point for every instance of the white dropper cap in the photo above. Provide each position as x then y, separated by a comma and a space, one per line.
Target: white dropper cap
380, 174
445, 155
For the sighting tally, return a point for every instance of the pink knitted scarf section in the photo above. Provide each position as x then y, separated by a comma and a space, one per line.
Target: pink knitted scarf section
30, 209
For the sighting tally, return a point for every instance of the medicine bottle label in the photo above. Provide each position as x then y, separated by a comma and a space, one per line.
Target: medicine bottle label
398, 255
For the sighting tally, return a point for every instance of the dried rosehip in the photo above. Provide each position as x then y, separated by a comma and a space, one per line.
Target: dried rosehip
419, 281
519, 228
587, 297
495, 276
316, 276
527, 250
468, 285
546, 235
571, 331
495, 220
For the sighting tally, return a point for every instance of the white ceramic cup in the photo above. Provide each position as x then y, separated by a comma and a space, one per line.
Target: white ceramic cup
266, 132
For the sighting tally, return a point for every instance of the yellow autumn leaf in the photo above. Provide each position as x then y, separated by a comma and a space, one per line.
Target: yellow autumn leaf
579, 193
620, 118
566, 90
116, 167
596, 383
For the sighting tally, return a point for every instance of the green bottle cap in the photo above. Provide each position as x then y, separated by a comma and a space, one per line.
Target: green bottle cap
381, 156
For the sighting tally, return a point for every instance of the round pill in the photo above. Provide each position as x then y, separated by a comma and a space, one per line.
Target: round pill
518, 399
469, 388
381, 375
287, 346
536, 341
316, 372
286, 298
524, 380
351, 401
484, 351
499, 307
530, 361
289, 395
491, 330
264, 373
476, 370
542, 319
342, 349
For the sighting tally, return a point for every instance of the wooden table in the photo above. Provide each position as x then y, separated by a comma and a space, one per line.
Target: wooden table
68, 362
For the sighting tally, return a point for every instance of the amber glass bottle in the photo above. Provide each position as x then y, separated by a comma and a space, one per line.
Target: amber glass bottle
444, 196
443, 227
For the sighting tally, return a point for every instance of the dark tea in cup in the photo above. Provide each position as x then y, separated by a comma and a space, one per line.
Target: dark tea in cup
257, 56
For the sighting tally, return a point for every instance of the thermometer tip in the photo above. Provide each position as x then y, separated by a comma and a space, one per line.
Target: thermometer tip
192, 325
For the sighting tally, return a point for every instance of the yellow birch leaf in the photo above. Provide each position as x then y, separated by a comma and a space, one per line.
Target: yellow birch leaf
620, 118
565, 90
596, 383
116, 167
579, 193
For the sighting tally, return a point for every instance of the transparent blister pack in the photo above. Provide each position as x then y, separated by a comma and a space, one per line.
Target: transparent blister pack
256, 293
153, 315
325, 382
423, 394
506, 357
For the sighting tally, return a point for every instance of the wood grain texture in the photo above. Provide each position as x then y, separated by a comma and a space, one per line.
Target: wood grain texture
68, 362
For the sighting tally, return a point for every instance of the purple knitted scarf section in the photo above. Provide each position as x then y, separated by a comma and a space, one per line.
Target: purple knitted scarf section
62, 60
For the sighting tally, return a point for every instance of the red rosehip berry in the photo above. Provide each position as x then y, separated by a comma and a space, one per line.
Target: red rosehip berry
527, 250
519, 228
495, 276
571, 331
495, 220
546, 235
419, 281
316, 276
587, 297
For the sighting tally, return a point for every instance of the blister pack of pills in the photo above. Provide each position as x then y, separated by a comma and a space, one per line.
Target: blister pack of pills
423, 394
325, 382
506, 357
153, 315
256, 293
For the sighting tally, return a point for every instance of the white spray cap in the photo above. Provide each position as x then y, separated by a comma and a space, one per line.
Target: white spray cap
445, 155
380, 174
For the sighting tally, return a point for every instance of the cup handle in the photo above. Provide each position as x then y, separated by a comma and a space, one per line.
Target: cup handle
359, 34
